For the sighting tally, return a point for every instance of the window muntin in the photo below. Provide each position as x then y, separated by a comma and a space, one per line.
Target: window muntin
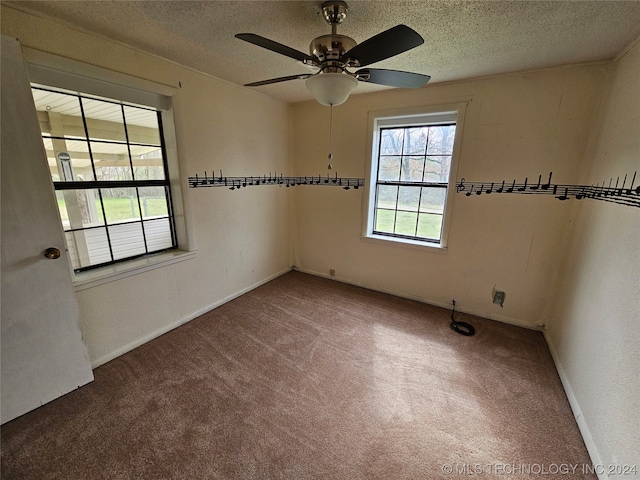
109, 170
413, 167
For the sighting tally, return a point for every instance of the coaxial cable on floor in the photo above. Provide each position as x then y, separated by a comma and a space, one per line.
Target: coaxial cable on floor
463, 328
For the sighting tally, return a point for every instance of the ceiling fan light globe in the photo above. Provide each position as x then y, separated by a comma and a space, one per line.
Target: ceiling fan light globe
331, 88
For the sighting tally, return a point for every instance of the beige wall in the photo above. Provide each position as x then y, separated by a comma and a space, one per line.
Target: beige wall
593, 329
517, 126
242, 238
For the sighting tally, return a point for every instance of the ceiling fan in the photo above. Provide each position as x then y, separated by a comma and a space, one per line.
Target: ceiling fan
334, 54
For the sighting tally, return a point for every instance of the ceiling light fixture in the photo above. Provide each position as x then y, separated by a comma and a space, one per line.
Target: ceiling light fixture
331, 88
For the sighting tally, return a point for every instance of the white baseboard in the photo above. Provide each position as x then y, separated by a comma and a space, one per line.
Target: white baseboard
577, 411
498, 318
155, 334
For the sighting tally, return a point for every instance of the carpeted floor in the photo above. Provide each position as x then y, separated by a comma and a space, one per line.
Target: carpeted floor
306, 378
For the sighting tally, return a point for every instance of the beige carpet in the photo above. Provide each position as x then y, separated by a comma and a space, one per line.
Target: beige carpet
305, 378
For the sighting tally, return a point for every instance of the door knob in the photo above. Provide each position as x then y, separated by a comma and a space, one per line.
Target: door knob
52, 253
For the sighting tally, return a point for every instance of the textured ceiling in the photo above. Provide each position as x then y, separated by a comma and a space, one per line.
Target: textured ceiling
463, 39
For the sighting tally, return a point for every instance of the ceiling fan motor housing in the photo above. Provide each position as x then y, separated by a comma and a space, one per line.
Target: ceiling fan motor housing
330, 48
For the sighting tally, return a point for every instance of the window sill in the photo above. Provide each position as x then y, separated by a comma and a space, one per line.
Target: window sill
405, 243
111, 273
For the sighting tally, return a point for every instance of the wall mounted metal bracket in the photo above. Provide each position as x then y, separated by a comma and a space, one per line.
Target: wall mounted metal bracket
620, 194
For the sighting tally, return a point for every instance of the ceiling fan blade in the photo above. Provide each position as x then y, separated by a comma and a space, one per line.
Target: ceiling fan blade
384, 45
276, 47
392, 78
302, 76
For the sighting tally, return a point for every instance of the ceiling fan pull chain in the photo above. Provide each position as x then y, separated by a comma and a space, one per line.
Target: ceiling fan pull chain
330, 156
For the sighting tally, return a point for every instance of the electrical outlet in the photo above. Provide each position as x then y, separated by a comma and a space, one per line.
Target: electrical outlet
332, 272
498, 297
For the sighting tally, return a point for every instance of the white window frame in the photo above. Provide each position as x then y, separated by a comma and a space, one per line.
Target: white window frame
407, 117
55, 71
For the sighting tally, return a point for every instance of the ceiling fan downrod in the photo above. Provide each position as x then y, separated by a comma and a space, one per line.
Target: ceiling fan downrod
329, 49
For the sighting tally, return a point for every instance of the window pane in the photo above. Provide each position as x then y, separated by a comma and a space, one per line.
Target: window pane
389, 169
147, 163
432, 200
120, 204
68, 160
153, 201
142, 125
62, 208
437, 168
441, 139
78, 150
52, 162
391, 141
104, 120
97, 246
408, 198
71, 250
59, 114
429, 226
126, 240
158, 234
415, 142
111, 161
406, 223
79, 208
385, 220
387, 196
412, 168
88, 247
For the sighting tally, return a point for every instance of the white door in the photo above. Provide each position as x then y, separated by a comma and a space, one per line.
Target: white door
42, 353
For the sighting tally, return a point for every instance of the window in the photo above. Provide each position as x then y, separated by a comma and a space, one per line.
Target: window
109, 170
413, 162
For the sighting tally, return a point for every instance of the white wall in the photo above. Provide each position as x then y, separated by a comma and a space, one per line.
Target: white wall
242, 238
594, 320
517, 126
